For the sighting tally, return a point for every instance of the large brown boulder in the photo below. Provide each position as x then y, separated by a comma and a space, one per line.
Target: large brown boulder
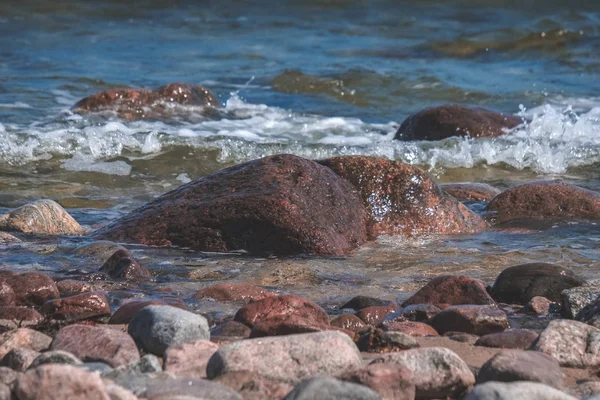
437, 123
402, 199
551, 200
280, 204
143, 103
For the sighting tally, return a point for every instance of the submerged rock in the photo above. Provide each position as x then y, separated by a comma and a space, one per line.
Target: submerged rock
551, 200
276, 205
471, 191
402, 199
122, 265
437, 123
42, 217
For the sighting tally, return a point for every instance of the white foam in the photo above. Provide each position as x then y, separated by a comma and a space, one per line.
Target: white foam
17, 104
83, 163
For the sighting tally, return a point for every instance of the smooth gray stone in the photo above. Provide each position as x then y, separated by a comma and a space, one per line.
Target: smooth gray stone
325, 388
516, 390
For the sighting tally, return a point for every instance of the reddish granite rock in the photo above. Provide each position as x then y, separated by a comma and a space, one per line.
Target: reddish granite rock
516, 365
572, 343
509, 339
69, 287
520, 283
21, 316
124, 313
479, 320
392, 382
230, 329
402, 199
186, 94
349, 322
189, 359
437, 123
81, 306
32, 288
410, 328
360, 302
233, 292
414, 312
375, 315
253, 386
42, 217
274, 306
552, 200
7, 294
538, 305
122, 265
290, 324
280, 204
97, 343
23, 338
471, 191
454, 290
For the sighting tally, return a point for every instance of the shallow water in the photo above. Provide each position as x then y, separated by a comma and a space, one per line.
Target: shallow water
313, 78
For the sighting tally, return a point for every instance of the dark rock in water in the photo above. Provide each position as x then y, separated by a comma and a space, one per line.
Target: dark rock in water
509, 339
360, 302
478, 320
470, 191
122, 265
410, 328
142, 103
516, 365
325, 388
402, 199
231, 329
276, 205
437, 123
233, 292
124, 313
81, 306
413, 312
253, 386
377, 340
32, 288
275, 306
42, 217
393, 382
349, 322
453, 290
520, 283
375, 315
551, 200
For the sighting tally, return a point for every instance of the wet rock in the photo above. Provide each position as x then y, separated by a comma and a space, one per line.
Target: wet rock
124, 313
69, 287
32, 288
23, 338
19, 359
155, 328
8, 376
402, 199
253, 386
376, 314
7, 294
437, 372
230, 329
186, 94
189, 359
99, 250
349, 322
516, 390
274, 306
96, 343
78, 307
520, 283
360, 302
552, 200
413, 312
282, 205
462, 337
241, 292
391, 382
122, 265
577, 298
453, 290
517, 365
287, 325
288, 358
325, 388
539, 305
189, 388
42, 217
410, 328
438, 123
470, 191
572, 343
509, 339
479, 320
55, 357
379, 341
19, 317
57, 381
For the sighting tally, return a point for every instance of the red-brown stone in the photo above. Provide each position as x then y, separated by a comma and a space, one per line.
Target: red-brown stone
32, 288
410, 328
233, 292
349, 322
122, 265
470, 191
509, 339
81, 306
20, 315
452, 290
414, 312
289, 324
478, 320
376, 314
124, 313
69, 287
274, 306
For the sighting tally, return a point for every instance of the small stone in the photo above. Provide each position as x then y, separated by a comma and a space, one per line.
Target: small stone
42, 217
32, 288
55, 357
19, 359
538, 305
360, 302
230, 329
155, 328
189, 388
56, 381
576, 299
437, 372
253, 386
325, 388
520, 283
20, 316
69, 287
78, 307
124, 314
453, 290
240, 292
349, 322
378, 341
572, 343
189, 359
391, 382
478, 320
273, 306
97, 343
470, 191
376, 314
516, 390
288, 358
287, 325
7, 294
413, 312
509, 339
122, 265
23, 338
409, 328
517, 365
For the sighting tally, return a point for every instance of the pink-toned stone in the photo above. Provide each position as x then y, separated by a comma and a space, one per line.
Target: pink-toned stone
124, 313
375, 315
349, 322
289, 325
24, 338
7, 294
452, 290
189, 359
32, 288
538, 305
392, 382
253, 386
410, 328
273, 306
81, 306
241, 292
